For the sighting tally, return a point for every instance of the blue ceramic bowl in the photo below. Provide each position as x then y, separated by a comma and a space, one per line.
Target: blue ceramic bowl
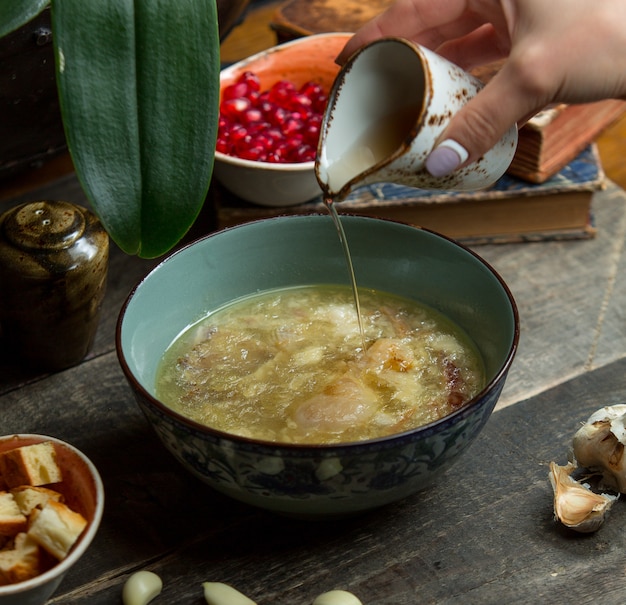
323, 480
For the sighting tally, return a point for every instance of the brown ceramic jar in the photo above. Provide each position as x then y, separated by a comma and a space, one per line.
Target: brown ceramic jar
53, 268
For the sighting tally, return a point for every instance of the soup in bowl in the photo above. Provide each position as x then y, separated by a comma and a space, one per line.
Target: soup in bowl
203, 293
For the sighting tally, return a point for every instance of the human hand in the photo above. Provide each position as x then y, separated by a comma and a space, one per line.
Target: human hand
556, 51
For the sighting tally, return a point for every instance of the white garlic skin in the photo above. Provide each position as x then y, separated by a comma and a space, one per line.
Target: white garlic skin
599, 446
337, 597
575, 505
141, 588
217, 593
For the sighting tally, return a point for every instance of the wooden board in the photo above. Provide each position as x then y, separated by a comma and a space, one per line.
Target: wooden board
302, 17
483, 535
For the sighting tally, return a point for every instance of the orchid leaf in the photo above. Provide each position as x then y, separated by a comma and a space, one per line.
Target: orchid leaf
15, 13
138, 85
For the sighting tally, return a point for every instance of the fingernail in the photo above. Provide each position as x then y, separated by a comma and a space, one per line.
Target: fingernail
446, 158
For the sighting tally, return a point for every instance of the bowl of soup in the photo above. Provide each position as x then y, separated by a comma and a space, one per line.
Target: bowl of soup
267, 378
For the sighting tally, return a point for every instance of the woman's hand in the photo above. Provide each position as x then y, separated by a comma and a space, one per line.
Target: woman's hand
556, 51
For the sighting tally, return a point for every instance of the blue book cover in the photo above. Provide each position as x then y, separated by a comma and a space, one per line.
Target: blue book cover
511, 210
584, 173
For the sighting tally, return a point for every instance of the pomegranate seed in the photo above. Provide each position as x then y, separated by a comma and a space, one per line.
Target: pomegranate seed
237, 133
277, 115
251, 80
274, 158
303, 153
311, 89
311, 132
292, 126
281, 92
252, 115
235, 91
258, 127
252, 153
222, 146
278, 125
233, 108
299, 101
276, 133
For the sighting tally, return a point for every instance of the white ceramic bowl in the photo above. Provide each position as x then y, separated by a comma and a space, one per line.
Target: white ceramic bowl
311, 58
83, 491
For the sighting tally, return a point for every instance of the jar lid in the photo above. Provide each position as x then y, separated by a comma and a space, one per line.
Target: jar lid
44, 225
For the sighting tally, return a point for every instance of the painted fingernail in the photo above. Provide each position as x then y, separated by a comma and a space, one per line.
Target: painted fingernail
446, 158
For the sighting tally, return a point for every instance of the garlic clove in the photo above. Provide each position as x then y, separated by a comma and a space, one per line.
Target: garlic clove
141, 587
575, 505
217, 593
599, 445
337, 597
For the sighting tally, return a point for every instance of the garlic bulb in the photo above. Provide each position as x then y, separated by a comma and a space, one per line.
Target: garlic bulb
599, 446
575, 505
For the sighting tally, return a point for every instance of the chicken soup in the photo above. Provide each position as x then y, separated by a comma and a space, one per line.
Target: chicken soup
289, 366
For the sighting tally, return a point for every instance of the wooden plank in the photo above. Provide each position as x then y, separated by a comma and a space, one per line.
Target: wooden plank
484, 534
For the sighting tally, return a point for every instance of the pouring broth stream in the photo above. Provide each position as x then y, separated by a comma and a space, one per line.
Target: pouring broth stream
379, 141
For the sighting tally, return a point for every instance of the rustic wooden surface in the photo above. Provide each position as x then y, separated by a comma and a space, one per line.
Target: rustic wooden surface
483, 535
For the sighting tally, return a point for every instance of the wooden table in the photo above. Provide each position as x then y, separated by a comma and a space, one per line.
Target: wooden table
484, 534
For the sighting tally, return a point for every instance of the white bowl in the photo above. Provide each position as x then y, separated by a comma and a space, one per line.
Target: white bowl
311, 58
83, 491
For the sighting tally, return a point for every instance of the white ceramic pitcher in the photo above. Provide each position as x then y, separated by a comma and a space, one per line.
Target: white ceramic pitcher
387, 107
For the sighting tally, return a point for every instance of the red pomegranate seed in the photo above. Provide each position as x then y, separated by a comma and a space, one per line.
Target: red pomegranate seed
235, 91
278, 125
252, 116
251, 80
292, 126
300, 101
311, 132
281, 92
233, 108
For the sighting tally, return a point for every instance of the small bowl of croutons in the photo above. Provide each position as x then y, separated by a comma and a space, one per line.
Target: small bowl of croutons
51, 504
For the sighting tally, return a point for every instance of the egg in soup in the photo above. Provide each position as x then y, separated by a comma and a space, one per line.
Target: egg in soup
289, 366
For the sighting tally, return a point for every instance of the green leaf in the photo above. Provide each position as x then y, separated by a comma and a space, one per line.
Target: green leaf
15, 13
139, 91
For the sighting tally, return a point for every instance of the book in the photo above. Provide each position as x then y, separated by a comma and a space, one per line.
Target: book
555, 136
551, 138
512, 210
547, 142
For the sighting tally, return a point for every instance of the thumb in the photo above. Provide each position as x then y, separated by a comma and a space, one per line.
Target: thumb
480, 124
